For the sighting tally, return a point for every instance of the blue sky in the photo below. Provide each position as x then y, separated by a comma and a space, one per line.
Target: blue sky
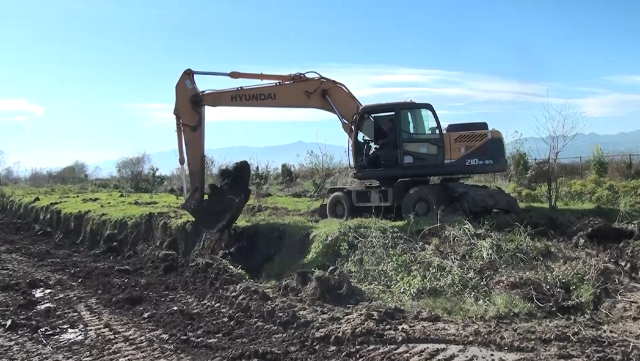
95, 79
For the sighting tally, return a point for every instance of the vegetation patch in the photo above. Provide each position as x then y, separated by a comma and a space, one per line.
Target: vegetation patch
464, 269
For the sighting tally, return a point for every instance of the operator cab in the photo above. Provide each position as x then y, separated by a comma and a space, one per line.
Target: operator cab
398, 140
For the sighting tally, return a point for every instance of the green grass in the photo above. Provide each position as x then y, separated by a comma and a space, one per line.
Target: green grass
450, 265
291, 204
111, 205
106, 204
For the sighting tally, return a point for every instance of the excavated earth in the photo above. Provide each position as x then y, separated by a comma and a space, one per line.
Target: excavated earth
63, 299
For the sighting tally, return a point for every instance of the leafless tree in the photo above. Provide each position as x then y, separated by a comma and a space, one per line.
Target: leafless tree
3, 160
557, 126
96, 172
134, 169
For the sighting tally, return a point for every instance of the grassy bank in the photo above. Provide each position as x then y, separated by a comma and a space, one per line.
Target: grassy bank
495, 267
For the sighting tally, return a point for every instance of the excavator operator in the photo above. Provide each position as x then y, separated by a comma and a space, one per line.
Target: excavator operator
387, 149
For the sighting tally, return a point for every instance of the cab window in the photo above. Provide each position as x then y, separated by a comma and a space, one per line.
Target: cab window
418, 124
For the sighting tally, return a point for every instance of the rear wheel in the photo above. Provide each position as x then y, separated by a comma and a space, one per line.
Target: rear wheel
339, 206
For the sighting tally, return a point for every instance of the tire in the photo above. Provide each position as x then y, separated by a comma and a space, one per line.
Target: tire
339, 206
421, 201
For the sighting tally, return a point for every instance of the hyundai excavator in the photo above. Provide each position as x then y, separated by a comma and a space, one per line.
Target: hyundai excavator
411, 150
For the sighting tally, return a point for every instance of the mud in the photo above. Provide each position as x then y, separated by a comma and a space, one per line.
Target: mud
473, 199
247, 247
63, 300
602, 233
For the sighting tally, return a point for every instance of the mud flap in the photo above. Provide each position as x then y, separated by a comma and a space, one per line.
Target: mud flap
322, 211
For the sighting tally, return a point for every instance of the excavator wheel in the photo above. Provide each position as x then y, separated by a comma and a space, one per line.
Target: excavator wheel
339, 206
226, 202
422, 200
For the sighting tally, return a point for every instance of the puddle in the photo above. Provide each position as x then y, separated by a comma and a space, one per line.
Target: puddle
72, 334
458, 352
44, 305
39, 292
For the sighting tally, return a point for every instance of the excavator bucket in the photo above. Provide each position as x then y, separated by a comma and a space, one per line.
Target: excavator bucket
224, 204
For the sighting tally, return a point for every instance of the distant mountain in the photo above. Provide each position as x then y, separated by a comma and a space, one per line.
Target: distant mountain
293, 153
582, 145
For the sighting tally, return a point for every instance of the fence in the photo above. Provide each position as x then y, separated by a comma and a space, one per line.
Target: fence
619, 165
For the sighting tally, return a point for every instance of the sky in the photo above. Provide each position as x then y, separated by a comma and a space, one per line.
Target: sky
95, 79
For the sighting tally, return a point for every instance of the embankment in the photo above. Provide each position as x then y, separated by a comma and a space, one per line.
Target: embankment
252, 247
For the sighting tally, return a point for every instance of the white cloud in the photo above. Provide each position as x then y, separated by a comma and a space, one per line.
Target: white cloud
470, 93
628, 79
13, 110
612, 104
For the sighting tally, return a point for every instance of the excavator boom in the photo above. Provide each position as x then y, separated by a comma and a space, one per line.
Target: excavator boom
285, 91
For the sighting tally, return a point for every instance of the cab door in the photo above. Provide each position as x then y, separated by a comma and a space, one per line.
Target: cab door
421, 137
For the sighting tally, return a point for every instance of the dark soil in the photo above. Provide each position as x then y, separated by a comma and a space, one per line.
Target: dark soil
58, 301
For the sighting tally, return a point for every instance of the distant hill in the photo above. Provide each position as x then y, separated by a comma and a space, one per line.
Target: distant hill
582, 145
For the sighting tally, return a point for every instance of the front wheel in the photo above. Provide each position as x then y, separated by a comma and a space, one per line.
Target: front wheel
339, 206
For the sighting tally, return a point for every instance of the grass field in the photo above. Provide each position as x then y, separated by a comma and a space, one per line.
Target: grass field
522, 266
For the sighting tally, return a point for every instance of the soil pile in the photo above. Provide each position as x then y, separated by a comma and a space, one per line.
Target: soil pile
332, 287
597, 232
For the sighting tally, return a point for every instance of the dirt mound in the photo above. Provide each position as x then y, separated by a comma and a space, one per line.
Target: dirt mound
598, 232
332, 287
477, 200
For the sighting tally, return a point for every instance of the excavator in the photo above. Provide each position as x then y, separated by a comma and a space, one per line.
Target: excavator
398, 148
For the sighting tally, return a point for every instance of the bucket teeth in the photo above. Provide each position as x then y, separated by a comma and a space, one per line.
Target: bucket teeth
220, 212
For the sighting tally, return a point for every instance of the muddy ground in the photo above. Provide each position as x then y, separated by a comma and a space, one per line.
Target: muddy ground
60, 302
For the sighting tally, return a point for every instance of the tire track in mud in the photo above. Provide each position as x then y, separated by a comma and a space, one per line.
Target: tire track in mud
122, 338
435, 351
69, 324
86, 309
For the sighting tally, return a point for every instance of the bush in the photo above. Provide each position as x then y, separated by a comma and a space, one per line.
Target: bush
456, 268
599, 162
287, 175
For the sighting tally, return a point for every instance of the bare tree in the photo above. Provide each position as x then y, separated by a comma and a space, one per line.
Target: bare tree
96, 172
210, 169
557, 127
134, 170
3, 160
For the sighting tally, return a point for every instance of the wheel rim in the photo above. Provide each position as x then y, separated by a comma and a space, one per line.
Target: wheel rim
421, 207
339, 209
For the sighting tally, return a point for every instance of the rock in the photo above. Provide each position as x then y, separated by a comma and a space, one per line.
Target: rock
11, 325
332, 287
124, 270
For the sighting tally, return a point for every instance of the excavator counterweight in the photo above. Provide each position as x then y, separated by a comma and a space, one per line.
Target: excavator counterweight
412, 148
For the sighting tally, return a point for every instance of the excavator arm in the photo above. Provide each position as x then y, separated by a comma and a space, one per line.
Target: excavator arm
225, 203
